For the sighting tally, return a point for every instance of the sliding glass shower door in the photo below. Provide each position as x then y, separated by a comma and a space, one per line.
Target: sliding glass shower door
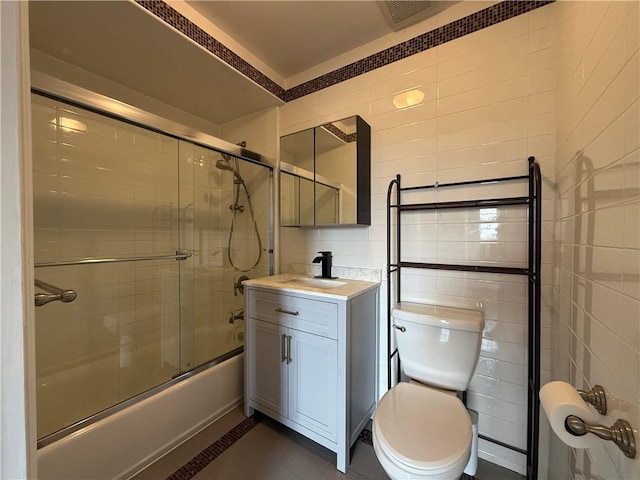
137, 224
227, 217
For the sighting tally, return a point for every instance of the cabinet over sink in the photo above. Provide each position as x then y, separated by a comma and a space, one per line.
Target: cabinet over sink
325, 175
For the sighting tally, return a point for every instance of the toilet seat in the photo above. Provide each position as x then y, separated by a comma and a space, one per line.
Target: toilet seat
422, 431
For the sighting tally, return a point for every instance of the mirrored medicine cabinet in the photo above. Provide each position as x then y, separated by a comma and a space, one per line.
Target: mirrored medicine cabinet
325, 176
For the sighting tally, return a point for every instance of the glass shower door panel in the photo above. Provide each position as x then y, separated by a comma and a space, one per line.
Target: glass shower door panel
104, 190
218, 228
247, 235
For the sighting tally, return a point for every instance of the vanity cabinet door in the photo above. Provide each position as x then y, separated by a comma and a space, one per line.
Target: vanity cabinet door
313, 382
268, 385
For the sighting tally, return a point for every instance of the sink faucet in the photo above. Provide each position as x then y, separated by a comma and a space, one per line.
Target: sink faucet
326, 260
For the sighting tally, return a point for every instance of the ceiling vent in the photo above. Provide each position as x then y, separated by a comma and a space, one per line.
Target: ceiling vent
402, 13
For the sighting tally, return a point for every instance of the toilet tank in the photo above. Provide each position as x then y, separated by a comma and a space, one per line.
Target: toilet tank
439, 346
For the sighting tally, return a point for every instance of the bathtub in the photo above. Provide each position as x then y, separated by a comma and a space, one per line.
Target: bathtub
122, 444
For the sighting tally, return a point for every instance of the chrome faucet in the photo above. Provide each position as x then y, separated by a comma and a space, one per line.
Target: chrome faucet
327, 260
237, 285
236, 315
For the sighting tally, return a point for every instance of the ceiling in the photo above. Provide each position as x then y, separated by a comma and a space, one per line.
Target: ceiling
121, 42
294, 36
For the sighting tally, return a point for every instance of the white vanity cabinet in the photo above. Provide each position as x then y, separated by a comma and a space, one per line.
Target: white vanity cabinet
304, 386
310, 360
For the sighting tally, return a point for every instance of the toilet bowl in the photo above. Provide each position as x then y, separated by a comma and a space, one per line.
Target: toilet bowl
421, 433
421, 430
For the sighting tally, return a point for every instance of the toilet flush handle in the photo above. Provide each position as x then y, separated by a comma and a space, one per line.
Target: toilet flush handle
402, 329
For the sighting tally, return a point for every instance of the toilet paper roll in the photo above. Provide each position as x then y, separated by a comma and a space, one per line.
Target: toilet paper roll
559, 400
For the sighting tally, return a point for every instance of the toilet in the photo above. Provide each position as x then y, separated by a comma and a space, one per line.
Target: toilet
421, 430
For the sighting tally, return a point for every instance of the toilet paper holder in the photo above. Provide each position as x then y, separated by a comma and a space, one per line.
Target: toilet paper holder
595, 397
619, 433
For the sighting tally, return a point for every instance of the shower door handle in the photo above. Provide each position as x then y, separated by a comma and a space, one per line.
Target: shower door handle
55, 294
64, 297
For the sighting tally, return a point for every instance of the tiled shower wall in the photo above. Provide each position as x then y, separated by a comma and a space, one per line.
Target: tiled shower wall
596, 318
489, 103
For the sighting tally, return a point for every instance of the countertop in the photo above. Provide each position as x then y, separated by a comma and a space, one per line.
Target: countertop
288, 282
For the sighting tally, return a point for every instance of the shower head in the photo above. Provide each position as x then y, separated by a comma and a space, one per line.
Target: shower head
224, 163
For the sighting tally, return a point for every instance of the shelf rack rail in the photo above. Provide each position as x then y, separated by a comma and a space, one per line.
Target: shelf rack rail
533, 202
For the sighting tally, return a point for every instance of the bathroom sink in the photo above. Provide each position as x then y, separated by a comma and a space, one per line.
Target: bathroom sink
316, 282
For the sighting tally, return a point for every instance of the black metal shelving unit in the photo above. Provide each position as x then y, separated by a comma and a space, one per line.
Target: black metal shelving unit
534, 233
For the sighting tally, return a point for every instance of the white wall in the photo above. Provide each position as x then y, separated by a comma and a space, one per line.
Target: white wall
258, 130
17, 400
596, 318
489, 104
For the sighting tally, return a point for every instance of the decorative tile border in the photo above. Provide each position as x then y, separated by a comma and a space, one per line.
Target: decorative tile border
464, 26
209, 454
344, 136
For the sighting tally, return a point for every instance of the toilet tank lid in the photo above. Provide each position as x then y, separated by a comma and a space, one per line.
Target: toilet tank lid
438, 316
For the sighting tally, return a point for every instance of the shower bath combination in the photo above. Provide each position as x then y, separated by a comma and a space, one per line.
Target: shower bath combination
227, 163
141, 336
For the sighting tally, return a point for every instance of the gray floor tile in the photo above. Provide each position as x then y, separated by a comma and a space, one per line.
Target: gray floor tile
490, 471
365, 462
266, 453
218, 428
334, 474
271, 451
166, 465
220, 470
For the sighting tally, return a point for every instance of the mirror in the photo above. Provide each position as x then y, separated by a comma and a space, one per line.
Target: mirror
325, 176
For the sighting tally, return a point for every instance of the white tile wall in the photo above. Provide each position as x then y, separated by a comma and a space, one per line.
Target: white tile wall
596, 314
489, 103
259, 130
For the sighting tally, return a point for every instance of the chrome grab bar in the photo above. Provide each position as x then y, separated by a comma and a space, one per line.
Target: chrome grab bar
54, 294
178, 256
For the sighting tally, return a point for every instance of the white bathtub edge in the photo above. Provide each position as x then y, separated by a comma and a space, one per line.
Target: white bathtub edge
124, 443
154, 457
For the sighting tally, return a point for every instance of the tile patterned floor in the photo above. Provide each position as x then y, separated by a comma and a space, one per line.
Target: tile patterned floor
259, 448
